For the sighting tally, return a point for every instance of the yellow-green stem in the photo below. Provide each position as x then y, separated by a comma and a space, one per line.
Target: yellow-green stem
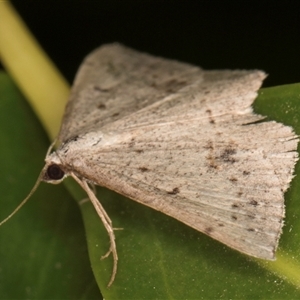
37, 77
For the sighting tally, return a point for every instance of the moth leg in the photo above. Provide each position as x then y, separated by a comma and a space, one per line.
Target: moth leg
107, 224
106, 254
84, 200
93, 188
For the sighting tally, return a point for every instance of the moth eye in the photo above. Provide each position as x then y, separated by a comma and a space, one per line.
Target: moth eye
55, 172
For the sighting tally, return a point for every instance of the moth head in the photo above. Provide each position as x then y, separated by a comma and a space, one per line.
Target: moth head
53, 173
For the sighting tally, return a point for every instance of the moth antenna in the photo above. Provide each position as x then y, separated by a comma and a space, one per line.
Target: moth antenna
106, 222
37, 183
51, 147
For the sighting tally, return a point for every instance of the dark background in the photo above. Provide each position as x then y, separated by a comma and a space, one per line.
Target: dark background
212, 34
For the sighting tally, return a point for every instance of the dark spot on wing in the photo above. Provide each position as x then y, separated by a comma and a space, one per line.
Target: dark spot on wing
115, 114
97, 142
211, 158
73, 139
169, 86
253, 202
216, 159
100, 89
234, 206
250, 229
132, 142
143, 169
101, 106
209, 145
233, 179
227, 155
233, 217
208, 230
211, 162
174, 191
211, 119
139, 151
246, 173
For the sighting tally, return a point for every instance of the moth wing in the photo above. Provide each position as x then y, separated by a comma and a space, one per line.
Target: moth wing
211, 168
227, 183
182, 141
216, 95
115, 81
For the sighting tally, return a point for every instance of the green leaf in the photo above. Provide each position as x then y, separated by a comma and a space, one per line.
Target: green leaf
159, 258
43, 252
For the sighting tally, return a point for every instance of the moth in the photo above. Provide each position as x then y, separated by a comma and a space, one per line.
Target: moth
180, 140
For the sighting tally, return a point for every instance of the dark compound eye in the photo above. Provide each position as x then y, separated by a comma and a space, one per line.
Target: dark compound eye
55, 172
